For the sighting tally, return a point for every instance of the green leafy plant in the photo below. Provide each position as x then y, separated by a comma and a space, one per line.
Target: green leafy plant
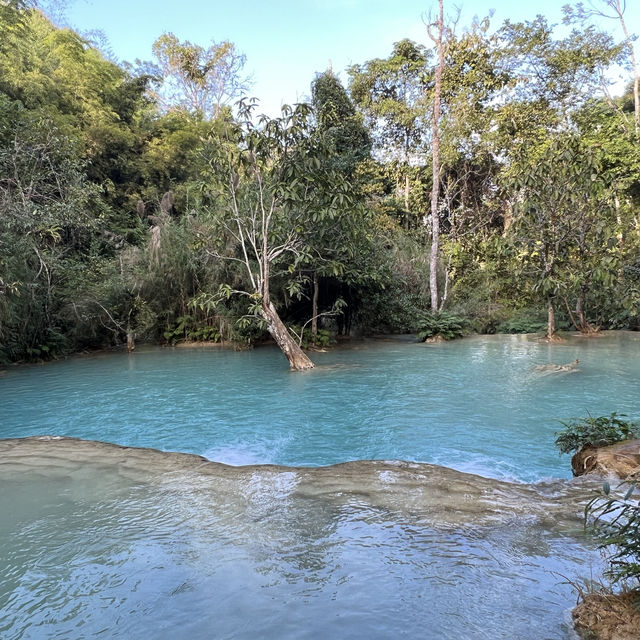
615, 520
441, 324
186, 328
321, 339
523, 323
597, 432
204, 333
247, 331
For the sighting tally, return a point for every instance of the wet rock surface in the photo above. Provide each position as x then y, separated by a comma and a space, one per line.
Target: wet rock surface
621, 460
315, 520
608, 616
435, 495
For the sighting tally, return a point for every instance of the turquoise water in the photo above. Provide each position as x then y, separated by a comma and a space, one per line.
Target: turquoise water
91, 550
476, 405
133, 545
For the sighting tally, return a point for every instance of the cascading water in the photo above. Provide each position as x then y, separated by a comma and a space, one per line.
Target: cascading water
104, 541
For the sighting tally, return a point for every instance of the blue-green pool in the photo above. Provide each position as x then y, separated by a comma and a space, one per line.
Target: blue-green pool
105, 542
476, 405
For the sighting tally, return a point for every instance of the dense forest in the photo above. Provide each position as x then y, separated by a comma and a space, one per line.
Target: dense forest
487, 182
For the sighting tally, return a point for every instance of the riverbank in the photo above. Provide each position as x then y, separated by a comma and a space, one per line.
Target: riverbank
608, 616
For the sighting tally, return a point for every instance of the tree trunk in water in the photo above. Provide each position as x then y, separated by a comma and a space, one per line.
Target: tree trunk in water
298, 360
551, 320
314, 305
435, 190
131, 339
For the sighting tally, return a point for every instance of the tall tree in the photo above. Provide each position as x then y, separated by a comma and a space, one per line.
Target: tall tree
390, 92
550, 78
341, 130
438, 38
564, 224
198, 79
338, 122
273, 186
46, 231
613, 9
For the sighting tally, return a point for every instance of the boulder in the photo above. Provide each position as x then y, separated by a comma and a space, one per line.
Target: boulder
603, 616
621, 460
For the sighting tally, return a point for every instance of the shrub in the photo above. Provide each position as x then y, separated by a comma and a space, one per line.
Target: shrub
532, 321
247, 331
522, 324
186, 328
616, 524
321, 339
597, 432
443, 324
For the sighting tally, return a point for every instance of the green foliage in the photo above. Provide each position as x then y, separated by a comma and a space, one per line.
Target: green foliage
197, 79
118, 213
45, 229
526, 321
247, 331
389, 91
615, 520
187, 328
595, 432
338, 122
392, 297
322, 339
440, 325
564, 211
390, 94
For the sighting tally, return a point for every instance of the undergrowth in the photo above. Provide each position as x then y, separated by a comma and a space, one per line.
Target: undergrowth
596, 432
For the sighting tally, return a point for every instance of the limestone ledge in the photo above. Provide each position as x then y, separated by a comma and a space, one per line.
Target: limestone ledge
436, 496
621, 460
602, 616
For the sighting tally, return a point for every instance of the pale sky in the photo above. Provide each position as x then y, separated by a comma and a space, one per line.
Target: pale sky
288, 41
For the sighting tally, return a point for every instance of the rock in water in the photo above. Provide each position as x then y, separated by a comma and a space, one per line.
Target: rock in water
557, 368
608, 616
621, 460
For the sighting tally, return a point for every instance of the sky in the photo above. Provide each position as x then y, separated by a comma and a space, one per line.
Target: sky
287, 42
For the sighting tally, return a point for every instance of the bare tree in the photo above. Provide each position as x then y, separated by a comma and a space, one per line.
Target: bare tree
614, 10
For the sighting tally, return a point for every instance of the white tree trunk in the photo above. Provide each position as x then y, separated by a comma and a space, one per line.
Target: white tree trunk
435, 190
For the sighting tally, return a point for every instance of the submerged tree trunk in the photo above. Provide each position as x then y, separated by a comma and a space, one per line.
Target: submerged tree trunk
131, 339
298, 359
584, 326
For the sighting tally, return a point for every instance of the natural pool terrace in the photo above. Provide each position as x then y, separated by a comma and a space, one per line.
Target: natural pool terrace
101, 541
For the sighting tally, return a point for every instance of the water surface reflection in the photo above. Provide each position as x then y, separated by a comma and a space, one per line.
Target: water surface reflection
110, 542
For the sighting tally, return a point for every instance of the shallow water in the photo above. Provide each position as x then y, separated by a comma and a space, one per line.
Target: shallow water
111, 543
476, 405
100, 541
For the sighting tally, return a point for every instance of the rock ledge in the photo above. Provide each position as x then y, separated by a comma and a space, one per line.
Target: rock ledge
608, 616
621, 460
